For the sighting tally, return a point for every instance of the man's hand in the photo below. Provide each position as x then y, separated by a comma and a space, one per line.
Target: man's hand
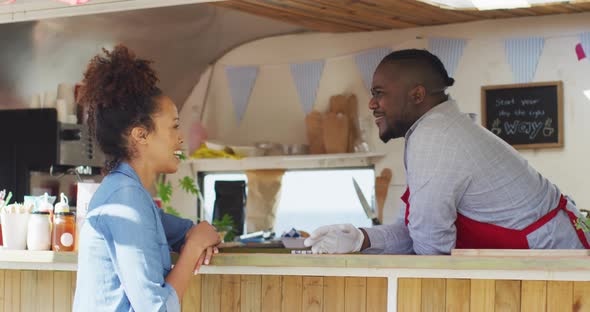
338, 238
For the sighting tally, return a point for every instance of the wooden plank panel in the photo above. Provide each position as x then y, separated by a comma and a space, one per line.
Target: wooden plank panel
45, 290
458, 294
28, 290
507, 296
333, 294
483, 293
334, 15
409, 294
191, 302
271, 293
292, 293
433, 294
62, 290
313, 294
377, 294
560, 296
74, 280
12, 281
326, 8
251, 293
288, 18
230, 296
533, 296
2, 290
210, 293
581, 296
355, 294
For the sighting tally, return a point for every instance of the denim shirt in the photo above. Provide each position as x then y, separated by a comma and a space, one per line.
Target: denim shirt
124, 249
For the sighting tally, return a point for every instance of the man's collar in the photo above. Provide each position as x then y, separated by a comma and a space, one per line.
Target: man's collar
448, 106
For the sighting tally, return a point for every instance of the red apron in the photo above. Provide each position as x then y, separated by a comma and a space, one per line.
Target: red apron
473, 234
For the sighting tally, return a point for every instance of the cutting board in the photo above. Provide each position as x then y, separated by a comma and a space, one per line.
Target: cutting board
313, 123
335, 132
381, 188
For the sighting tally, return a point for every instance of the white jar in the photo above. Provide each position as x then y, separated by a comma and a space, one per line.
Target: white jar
39, 231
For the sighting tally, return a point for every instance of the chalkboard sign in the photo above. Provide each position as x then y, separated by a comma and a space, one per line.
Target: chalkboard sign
525, 115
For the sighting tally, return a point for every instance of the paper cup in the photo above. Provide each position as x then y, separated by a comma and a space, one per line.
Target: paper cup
62, 110
49, 99
36, 101
65, 91
14, 230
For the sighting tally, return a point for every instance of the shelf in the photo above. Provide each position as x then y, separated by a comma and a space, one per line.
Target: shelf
323, 161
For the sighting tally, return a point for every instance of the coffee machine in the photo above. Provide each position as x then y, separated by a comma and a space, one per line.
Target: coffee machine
36, 151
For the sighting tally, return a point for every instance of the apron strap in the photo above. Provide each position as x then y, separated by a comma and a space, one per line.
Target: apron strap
546, 218
406, 199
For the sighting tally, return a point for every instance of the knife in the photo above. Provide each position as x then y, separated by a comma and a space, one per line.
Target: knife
365, 204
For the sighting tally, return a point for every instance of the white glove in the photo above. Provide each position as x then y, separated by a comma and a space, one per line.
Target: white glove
338, 238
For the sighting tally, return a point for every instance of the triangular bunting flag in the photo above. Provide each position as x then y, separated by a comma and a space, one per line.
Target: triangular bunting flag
241, 82
580, 52
585, 41
367, 62
307, 79
523, 56
448, 50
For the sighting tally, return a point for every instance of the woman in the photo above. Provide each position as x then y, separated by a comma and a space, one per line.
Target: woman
124, 250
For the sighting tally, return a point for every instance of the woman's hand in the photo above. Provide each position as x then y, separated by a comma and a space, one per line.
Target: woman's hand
205, 258
200, 241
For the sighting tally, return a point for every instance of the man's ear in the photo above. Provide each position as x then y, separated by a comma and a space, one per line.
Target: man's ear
418, 94
139, 135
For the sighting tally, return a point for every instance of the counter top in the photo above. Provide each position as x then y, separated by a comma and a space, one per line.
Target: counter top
550, 261
38, 260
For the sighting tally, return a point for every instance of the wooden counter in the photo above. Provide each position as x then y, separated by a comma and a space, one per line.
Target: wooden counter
282, 282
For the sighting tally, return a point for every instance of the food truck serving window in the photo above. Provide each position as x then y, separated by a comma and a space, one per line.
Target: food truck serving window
309, 198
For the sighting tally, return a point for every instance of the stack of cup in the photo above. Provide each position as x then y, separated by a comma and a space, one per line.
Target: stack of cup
62, 110
36, 101
65, 92
15, 220
49, 99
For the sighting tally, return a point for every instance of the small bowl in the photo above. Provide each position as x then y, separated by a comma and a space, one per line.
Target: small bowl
295, 149
246, 151
293, 242
269, 149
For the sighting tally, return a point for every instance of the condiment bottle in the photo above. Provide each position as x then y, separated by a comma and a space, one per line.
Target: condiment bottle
45, 205
39, 231
62, 205
64, 231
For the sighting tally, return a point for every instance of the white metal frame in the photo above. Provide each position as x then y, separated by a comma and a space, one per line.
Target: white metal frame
29, 10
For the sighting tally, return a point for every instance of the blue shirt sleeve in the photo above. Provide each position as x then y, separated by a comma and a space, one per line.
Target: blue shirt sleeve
138, 249
175, 229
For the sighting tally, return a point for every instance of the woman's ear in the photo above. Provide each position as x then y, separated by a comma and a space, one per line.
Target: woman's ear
139, 135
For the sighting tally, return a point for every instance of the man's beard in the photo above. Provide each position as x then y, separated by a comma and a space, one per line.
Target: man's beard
393, 132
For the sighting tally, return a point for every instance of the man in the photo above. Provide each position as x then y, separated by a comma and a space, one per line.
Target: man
467, 188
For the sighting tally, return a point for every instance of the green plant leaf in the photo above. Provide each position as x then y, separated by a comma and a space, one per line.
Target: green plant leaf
226, 220
583, 224
226, 224
164, 191
172, 211
229, 236
188, 185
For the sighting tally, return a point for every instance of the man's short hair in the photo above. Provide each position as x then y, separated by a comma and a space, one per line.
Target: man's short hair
423, 63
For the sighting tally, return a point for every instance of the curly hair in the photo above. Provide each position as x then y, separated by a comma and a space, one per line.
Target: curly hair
119, 92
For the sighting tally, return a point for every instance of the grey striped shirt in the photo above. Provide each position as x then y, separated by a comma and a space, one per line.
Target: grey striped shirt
454, 165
